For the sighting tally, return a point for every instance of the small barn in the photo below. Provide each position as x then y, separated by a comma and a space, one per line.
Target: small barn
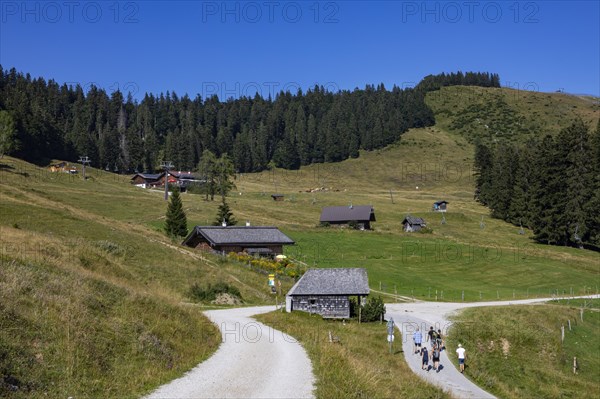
327, 292
59, 167
411, 223
277, 197
257, 240
440, 206
362, 215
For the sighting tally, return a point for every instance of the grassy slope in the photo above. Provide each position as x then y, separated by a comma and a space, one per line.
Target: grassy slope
516, 352
489, 263
92, 299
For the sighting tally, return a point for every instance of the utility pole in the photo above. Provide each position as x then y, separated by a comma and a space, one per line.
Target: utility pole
84, 160
166, 165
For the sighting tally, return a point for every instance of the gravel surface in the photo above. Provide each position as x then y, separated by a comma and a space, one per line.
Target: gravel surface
425, 314
253, 361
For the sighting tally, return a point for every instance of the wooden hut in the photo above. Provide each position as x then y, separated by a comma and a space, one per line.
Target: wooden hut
440, 206
411, 223
327, 292
277, 197
257, 240
361, 215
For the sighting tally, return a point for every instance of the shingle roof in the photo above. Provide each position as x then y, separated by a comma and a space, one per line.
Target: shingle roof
148, 176
240, 235
441, 202
413, 220
348, 213
342, 281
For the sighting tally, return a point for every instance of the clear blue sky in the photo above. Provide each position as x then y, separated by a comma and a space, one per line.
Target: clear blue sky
237, 48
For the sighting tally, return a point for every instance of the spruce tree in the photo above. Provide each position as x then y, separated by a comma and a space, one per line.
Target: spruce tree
224, 215
176, 221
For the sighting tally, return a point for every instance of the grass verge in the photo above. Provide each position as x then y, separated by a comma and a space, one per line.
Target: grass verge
359, 366
516, 351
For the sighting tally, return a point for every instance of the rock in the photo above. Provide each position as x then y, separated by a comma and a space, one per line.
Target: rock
226, 299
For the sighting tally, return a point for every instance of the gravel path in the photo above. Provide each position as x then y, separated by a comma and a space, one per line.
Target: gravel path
425, 314
253, 361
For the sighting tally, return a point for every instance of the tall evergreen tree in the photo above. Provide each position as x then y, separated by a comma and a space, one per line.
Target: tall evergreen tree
224, 215
176, 221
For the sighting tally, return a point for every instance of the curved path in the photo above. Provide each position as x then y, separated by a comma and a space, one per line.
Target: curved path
407, 316
253, 361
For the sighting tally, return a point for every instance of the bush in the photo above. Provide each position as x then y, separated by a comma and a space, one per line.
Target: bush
353, 224
210, 292
324, 224
373, 310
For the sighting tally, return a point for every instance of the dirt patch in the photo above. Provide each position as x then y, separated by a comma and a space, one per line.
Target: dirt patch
505, 346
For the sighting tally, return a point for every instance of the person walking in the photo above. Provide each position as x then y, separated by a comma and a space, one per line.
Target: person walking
425, 359
435, 357
417, 339
431, 336
462, 355
439, 340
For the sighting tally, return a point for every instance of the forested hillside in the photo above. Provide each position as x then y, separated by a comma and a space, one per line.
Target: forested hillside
121, 134
550, 184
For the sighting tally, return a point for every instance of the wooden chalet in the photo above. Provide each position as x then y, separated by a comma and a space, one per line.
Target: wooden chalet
440, 206
59, 167
362, 215
255, 240
327, 292
147, 180
411, 223
151, 180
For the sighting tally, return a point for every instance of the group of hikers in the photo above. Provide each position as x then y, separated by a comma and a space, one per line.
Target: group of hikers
437, 345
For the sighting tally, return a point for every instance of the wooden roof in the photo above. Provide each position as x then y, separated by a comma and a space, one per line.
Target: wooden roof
414, 221
359, 213
341, 281
239, 235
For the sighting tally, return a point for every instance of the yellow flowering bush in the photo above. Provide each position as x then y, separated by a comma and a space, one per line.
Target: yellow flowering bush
282, 267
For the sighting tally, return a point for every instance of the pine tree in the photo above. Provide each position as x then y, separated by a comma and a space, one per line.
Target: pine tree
224, 215
579, 179
176, 221
7, 133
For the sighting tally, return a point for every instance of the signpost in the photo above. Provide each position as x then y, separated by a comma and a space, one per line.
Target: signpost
272, 282
390, 331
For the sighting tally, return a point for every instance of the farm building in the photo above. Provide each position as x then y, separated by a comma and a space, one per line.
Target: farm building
440, 206
362, 215
412, 223
277, 197
146, 180
327, 292
256, 240
151, 180
59, 167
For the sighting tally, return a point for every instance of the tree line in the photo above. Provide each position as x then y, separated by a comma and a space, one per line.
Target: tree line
121, 134
550, 185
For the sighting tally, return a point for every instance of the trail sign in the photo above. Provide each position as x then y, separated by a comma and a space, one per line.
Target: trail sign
272, 280
390, 331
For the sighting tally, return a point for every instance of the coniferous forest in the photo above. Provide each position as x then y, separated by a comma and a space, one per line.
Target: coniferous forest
551, 185
119, 133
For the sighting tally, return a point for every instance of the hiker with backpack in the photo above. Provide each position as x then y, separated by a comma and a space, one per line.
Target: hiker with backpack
435, 357
425, 359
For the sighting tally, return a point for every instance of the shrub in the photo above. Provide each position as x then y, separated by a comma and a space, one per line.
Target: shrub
210, 292
373, 310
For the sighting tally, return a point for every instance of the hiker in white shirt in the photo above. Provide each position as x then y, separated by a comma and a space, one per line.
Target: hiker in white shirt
461, 352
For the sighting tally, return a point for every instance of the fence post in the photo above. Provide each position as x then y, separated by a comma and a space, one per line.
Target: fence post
463, 296
562, 334
569, 324
581, 314
575, 365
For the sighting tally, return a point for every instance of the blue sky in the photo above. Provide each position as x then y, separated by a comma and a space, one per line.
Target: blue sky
238, 48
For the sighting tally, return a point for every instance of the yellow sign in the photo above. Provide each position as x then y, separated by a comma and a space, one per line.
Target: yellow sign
272, 280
